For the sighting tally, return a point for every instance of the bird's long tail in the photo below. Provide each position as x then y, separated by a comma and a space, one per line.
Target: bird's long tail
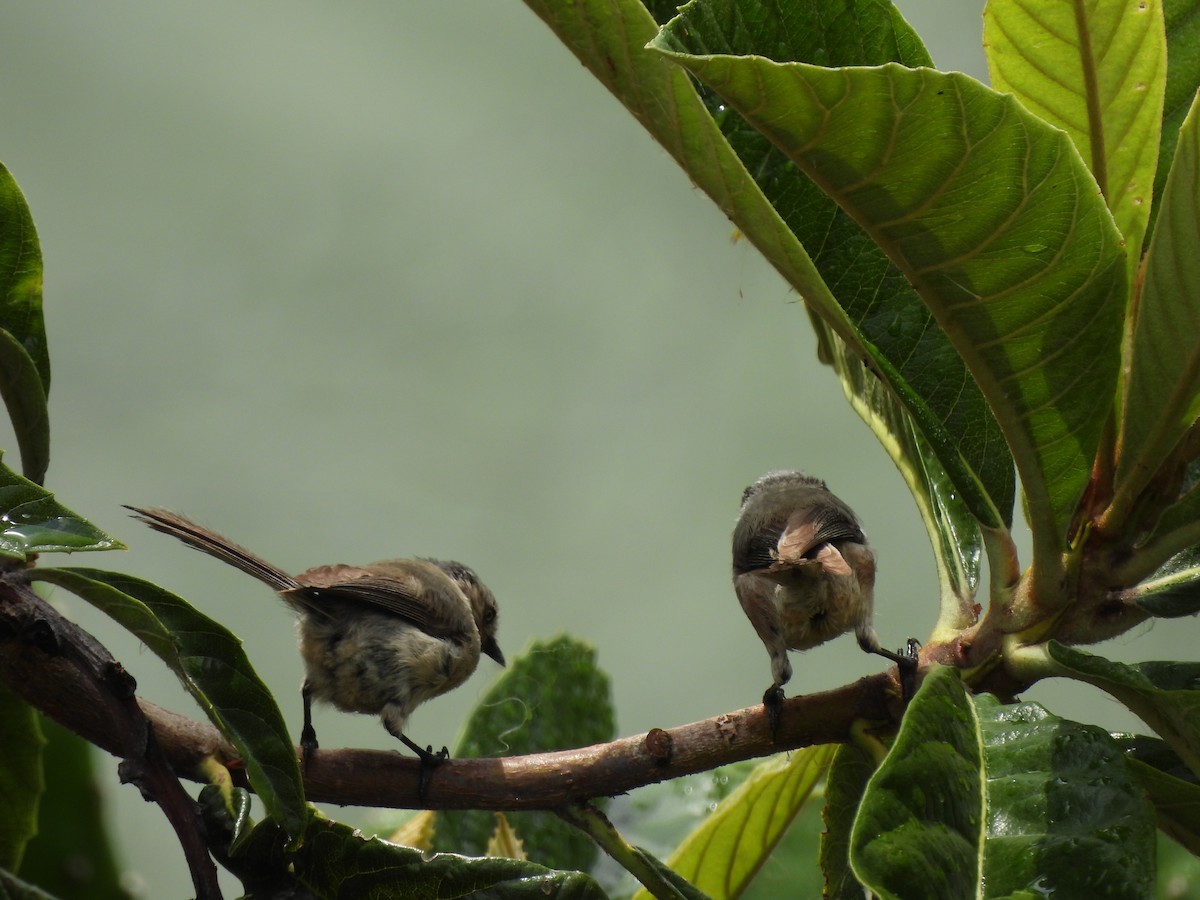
215, 545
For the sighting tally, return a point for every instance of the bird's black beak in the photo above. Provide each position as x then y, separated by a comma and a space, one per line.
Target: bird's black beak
492, 649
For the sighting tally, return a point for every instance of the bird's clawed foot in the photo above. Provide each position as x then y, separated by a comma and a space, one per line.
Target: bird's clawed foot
308, 745
908, 669
906, 661
431, 759
773, 701
429, 762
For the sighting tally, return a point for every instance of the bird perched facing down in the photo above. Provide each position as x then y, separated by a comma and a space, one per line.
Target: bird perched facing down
381, 638
802, 571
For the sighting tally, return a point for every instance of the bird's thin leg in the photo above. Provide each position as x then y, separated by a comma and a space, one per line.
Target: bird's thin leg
308, 735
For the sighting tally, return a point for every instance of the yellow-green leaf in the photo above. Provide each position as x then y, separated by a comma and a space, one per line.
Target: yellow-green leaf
1098, 71
723, 854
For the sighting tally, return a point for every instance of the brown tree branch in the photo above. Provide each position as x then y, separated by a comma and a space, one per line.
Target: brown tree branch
389, 778
59, 668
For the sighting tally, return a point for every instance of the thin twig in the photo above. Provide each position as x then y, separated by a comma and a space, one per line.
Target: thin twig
588, 819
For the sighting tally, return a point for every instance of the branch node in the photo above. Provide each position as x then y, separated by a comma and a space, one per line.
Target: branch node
132, 771
658, 745
118, 680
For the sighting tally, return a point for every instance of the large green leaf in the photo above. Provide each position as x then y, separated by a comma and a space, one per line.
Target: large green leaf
1163, 386
24, 358
21, 782
980, 799
211, 665
1164, 695
991, 214
553, 696
1065, 817
876, 311
920, 827
1098, 74
32, 521
722, 855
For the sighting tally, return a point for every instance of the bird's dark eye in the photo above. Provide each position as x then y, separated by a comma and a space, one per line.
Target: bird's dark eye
489, 616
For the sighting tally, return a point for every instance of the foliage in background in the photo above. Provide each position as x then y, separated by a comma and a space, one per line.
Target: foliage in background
553, 697
1005, 282
72, 854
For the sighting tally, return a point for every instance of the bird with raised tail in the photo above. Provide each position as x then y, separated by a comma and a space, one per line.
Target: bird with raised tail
381, 638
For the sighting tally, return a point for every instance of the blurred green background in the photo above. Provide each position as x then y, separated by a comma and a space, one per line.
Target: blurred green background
351, 281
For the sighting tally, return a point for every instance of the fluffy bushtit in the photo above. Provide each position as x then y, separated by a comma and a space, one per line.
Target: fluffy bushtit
802, 571
381, 638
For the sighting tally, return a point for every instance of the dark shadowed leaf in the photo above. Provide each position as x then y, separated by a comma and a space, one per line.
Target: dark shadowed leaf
337, 861
21, 276
26, 403
14, 888
24, 358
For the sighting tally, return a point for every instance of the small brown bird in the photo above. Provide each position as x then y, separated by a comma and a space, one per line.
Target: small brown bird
381, 638
802, 571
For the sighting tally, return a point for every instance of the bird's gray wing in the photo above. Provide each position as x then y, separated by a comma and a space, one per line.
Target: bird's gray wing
428, 600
